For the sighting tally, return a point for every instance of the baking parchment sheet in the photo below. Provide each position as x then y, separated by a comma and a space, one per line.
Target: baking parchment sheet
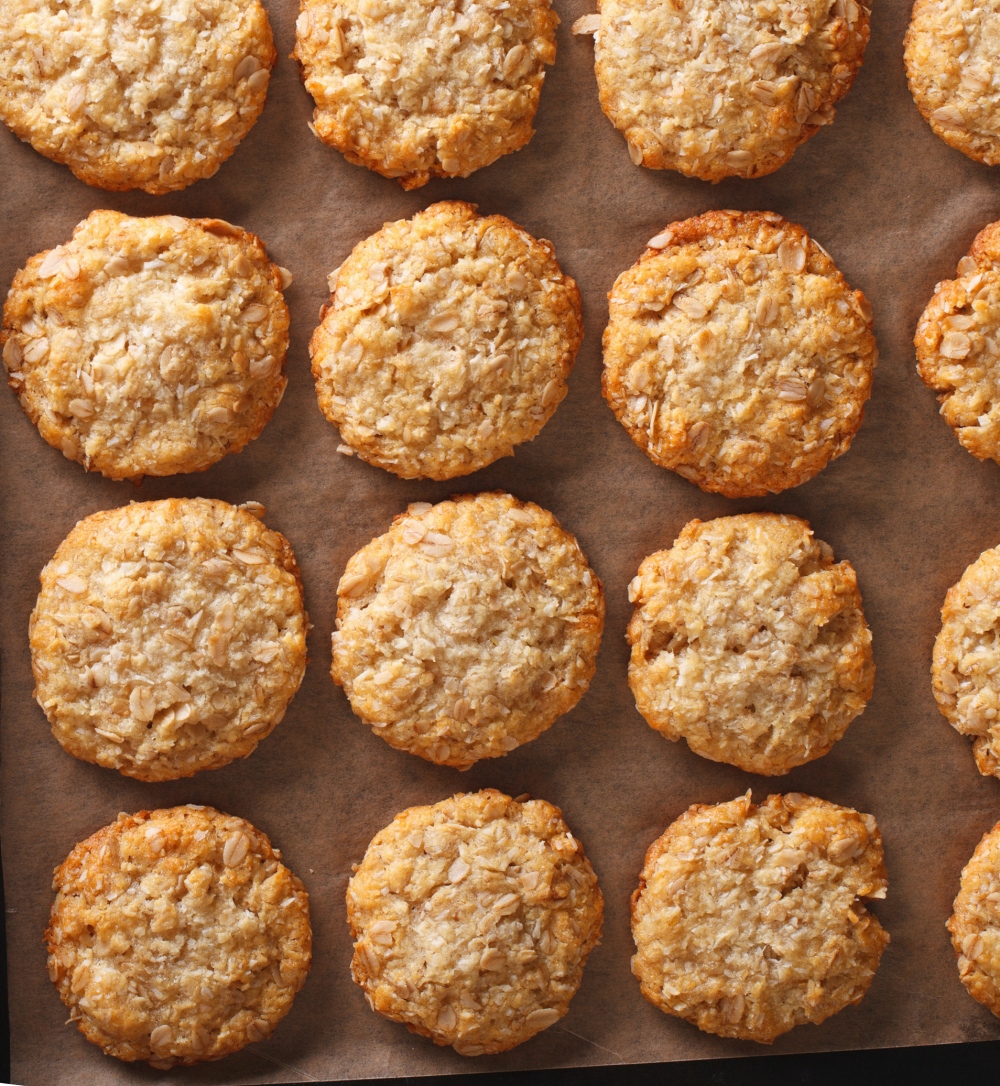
906, 505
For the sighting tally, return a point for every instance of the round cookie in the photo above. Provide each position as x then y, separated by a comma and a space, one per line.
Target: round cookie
749, 921
748, 642
414, 89
148, 346
467, 628
736, 355
954, 73
726, 89
958, 346
473, 920
177, 936
150, 94
168, 637
447, 342
975, 923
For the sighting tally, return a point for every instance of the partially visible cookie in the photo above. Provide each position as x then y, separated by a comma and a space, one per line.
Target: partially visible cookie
168, 637
736, 355
749, 920
975, 923
177, 936
149, 94
473, 920
148, 346
467, 628
749, 642
447, 342
414, 89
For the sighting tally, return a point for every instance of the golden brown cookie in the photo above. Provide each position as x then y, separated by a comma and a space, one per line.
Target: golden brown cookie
467, 628
177, 936
749, 921
447, 342
148, 346
168, 637
736, 355
473, 920
975, 923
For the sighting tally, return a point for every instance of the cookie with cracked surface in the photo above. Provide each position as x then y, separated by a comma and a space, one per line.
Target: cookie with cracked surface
975, 923
177, 936
737, 355
749, 920
467, 628
148, 346
958, 346
168, 637
447, 341
473, 919
152, 94
749, 642
726, 89
415, 89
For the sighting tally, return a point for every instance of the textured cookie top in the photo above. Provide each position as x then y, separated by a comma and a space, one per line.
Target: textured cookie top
447, 342
736, 354
467, 628
416, 89
952, 50
748, 920
749, 642
473, 920
168, 637
150, 94
716, 89
177, 936
975, 923
958, 346
148, 346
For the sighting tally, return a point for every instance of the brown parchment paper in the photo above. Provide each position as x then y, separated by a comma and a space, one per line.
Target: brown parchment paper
907, 505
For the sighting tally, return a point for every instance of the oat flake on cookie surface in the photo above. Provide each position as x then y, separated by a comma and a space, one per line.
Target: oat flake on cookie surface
448, 341
975, 923
719, 89
749, 920
467, 628
148, 94
168, 637
415, 89
177, 936
473, 919
737, 355
148, 346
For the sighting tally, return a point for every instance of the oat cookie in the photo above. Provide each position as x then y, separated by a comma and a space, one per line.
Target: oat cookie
749, 921
958, 346
975, 923
149, 94
447, 342
415, 89
749, 642
177, 936
736, 355
148, 346
467, 628
473, 920
720, 89
951, 53
168, 637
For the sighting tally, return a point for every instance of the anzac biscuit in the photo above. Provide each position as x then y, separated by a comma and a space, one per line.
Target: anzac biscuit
736, 355
749, 921
168, 637
958, 346
415, 89
177, 936
724, 89
975, 923
748, 642
149, 94
447, 342
467, 628
473, 920
148, 346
